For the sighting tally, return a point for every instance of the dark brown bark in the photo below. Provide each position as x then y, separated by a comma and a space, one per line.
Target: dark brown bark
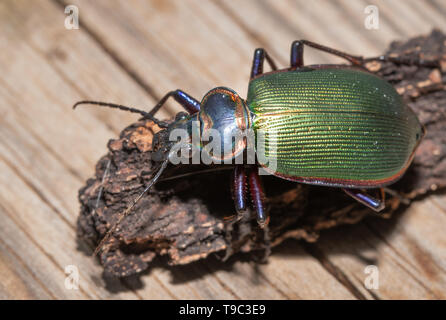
184, 219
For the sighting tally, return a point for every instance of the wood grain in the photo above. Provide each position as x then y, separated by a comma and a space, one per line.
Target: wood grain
134, 52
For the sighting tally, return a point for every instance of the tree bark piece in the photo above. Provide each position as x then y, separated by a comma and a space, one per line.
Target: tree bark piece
184, 219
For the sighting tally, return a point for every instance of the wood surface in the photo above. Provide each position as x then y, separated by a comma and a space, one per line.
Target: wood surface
132, 52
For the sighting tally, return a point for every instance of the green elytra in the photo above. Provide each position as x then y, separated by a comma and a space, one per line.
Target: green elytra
333, 126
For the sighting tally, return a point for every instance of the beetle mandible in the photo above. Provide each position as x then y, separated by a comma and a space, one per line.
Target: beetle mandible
336, 125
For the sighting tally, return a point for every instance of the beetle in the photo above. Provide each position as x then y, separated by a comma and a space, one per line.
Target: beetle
335, 125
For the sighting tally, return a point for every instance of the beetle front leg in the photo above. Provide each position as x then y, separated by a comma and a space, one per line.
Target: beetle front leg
190, 104
373, 203
239, 186
257, 63
258, 197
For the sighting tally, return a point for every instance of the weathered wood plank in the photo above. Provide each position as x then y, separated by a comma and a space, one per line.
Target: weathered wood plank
38, 232
25, 233
18, 282
409, 264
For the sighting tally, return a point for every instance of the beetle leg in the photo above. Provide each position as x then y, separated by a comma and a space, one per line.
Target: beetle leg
257, 63
356, 60
367, 200
190, 104
297, 54
239, 187
258, 197
360, 61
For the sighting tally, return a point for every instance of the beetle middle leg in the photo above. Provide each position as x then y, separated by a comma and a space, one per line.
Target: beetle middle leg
373, 203
257, 63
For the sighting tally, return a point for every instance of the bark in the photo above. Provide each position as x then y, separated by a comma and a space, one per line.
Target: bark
184, 219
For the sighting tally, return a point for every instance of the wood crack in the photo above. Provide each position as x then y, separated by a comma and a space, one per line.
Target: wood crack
337, 273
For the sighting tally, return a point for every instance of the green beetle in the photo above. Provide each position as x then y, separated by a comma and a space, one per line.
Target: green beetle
329, 125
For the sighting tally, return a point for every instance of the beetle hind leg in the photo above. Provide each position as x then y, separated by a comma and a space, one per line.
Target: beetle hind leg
190, 104
376, 204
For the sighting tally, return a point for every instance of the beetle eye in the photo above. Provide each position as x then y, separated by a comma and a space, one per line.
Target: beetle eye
181, 116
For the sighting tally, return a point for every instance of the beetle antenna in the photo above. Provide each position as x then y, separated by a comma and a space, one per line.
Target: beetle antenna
145, 115
129, 208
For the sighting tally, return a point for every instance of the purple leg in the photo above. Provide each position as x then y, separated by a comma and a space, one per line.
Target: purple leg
297, 55
257, 63
239, 188
190, 104
258, 197
367, 200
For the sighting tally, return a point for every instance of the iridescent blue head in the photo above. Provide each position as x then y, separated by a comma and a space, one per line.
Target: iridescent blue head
217, 130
